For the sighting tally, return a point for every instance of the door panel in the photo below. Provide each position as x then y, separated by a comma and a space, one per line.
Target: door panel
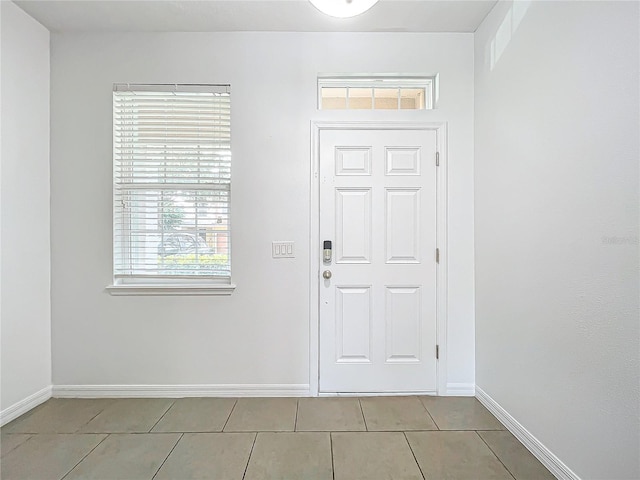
403, 161
353, 225
353, 324
353, 161
378, 308
402, 219
403, 328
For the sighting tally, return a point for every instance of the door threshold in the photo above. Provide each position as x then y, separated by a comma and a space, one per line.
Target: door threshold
378, 394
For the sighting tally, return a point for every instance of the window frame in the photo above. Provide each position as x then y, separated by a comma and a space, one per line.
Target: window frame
159, 284
380, 81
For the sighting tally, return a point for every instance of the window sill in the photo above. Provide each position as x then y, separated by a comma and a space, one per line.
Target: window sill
168, 289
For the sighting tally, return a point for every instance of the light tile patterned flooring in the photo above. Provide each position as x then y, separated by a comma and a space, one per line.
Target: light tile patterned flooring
344, 438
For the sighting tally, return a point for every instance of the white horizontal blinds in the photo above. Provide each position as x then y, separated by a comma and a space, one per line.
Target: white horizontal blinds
172, 180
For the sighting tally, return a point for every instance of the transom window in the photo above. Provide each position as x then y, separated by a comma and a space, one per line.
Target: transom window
172, 183
382, 92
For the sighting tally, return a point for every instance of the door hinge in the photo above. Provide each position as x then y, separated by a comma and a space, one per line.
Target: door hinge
437, 352
437, 255
437, 159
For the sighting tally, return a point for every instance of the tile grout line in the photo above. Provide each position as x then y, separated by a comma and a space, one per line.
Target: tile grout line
76, 432
295, 424
414, 454
249, 459
333, 467
168, 455
465, 430
162, 416
229, 416
124, 432
88, 453
91, 419
494, 454
3, 454
366, 428
429, 413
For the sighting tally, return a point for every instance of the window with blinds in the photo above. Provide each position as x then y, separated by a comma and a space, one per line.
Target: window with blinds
172, 183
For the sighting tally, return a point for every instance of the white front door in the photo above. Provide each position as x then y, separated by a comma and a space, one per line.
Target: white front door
378, 308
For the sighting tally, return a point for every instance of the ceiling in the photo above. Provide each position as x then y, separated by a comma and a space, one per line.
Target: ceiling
252, 15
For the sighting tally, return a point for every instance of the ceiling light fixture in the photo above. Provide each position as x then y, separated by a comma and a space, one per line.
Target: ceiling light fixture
343, 8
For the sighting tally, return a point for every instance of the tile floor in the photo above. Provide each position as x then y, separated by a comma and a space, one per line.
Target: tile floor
369, 438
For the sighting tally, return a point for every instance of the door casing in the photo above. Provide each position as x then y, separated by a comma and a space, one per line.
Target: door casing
441, 238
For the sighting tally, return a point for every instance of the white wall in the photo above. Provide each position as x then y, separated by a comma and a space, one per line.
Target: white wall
556, 227
260, 334
24, 232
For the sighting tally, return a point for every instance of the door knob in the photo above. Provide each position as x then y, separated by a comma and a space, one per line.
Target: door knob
326, 274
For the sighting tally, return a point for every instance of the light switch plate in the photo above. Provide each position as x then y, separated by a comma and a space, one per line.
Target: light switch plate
282, 250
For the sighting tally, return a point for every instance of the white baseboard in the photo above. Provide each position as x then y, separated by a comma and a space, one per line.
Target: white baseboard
23, 406
461, 390
535, 446
179, 391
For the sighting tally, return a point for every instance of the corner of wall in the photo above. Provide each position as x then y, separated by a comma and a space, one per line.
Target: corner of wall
23, 406
535, 446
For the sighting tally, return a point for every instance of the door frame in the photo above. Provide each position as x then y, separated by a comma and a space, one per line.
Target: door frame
441, 241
